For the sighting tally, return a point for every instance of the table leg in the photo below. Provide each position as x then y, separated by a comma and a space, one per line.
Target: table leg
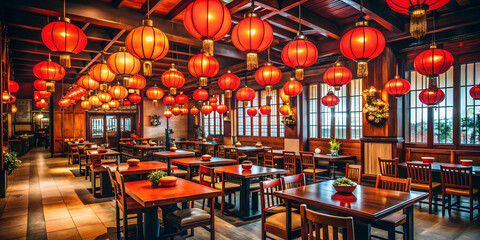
212, 219
245, 198
151, 225
333, 171
189, 173
409, 231
169, 166
105, 185
362, 230
289, 219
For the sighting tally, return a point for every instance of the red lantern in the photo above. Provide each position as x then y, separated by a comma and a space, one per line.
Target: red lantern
330, 100
267, 76
221, 108
228, 82
397, 87
12, 99
155, 93
213, 100
126, 103
208, 20
417, 9
40, 85
285, 110
134, 98
118, 92
13, 109
114, 103
246, 95
86, 104
6, 96
64, 103
200, 94
207, 109
64, 38
362, 44
88, 83
147, 43
36, 97
104, 97
123, 63
194, 110
169, 100
176, 111
203, 66
431, 96
181, 99
48, 70
475, 92
337, 76
44, 94
252, 112
94, 101
41, 104
265, 110
252, 35
167, 113
137, 82
183, 111
105, 106
285, 98
299, 54
13, 86
173, 79
214, 106
433, 61
292, 88
100, 73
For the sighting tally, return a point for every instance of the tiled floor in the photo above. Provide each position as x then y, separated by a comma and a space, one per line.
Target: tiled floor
64, 216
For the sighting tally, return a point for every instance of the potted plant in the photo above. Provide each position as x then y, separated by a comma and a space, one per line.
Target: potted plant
154, 177
10, 162
334, 147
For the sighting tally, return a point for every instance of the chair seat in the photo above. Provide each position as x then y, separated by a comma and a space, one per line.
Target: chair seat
279, 209
277, 157
255, 186
317, 170
460, 192
189, 216
228, 185
425, 186
179, 172
205, 179
279, 220
108, 161
396, 219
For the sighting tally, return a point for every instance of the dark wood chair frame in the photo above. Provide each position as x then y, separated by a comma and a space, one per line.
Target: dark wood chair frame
313, 221
354, 173
388, 167
422, 173
290, 162
293, 181
307, 160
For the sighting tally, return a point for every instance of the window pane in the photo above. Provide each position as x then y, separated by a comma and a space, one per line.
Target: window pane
356, 108
418, 110
263, 118
240, 118
326, 116
313, 111
97, 127
443, 113
274, 115
255, 119
469, 108
341, 114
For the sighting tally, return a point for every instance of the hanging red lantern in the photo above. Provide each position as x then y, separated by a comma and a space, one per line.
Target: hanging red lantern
337, 76
265, 110
228, 82
203, 66
433, 61
40, 85
207, 109
208, 20
88, 83
330, 100
475, 92
86, 104
134, 98
431, 96
212, 100
285, 110
36, 97
268, 76
200, 94
44, 94
64, 38
362, 44
13, 109
125, 103
299, 54
252, 112
101, 73
169, 100
48, 70
194, 111
41, 104
221, 108
64, 103
181, 99
13, 86
114, 103
147, 43
292, 88
176, 111
137, 82
123, 63
214, 106
285, 98
183, 111
246, 95
155, 93
94, 101
252, 35
105, 106
118, 92
173, 79
167, 113
6, 96
417, 9
397, 87
104, 97
12, 99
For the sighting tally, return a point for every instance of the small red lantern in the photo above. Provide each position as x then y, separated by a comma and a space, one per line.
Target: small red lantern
105, 107
41, 104
330, 100
246, 95
214, 106
49, 71
40, 85
169, 100
114, 103
64, 38
267, 76
475, 92
134, 98
86, 104
155, 93
173, 79
194, 111
126, 103
213, 100
397, 87
6, 96
137, 82
13, 109
64, 103
12, 99
183, 111
118, 92
431, 96
100, 73
181, 99
228, 82
36, 97
94, 101
176, 111
285, 110
104, 97
13, 87
265, 110
292, 88
88, 83
123, 63
200, 94
337, 76
44, 94
299, 54
203, 66
168, 114
221, 108
252, 112
207, 109
433, 61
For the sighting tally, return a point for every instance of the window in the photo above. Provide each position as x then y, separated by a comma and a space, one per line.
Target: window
240, 118
469, 108
213, 122
356, 115
418, 111
443, 113
97, 127
263, 118
255, 119
274, 115
313, 113
341, 113
326, 115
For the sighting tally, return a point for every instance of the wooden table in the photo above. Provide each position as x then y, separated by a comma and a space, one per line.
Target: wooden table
201, 143
191, 163
366, 205
436, 166
148, 196
245, 211
142, 168
169, 155
105, 184
138, 151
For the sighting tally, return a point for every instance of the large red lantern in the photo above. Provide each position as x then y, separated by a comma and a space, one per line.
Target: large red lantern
299, 54
431, 96
88, 83
125, 103
41, 104
203, 66
176, 111
292, 88
252, 35
330, 100
194, 111
13, 86
246, 95
285, 110
44, 94
252, 112
86, 104
433, 61
200, 94
147, 43
265, 110
40, 85
337, 76
123, 63
214, 106
137, 82
228, 82
118, 91
221, 108
104, 97
105, 106
64, 38
94, 101
417, 9
397, 87
167, 113
155, 93
181, 99
173, 79
169, 100
101, 73
362, 44
268, 76
207, 109
208, 20
134, 98
49, 71
114, 103
475, 92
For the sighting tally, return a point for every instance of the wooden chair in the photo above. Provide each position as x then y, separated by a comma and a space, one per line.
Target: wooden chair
274, 216
354, 173
69, 154
221, 151
317, 225
289, 162
390, 222
388, 167
307, 163
268, 160
233, 153
198, 149
208, 177
293, 181
421, 175
458, 181
211, 150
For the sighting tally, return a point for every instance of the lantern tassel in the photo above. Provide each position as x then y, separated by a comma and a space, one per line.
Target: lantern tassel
208, 46
126, 82
228, 94
155, 103
252, 61
50, 86
362, 69
299, 73
173, 91
203, 81
418, 23
147, 68
65, 61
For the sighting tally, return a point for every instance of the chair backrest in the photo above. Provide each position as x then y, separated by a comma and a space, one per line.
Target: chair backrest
392, 183
198, 147
211, 150
388, 167
267, 190
317, 225
457, 177
293, 181
268, 157
233, 153
354, 173
206, 172
221, 151
120, 189
307, 160
112, 180
420, 172
96, 161
289, 161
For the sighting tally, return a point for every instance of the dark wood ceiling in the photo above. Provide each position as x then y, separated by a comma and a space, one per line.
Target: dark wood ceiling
107, 22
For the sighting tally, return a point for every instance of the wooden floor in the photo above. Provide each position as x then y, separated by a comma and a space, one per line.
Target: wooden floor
46, 200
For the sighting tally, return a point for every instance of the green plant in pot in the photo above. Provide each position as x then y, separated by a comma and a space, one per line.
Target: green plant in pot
10, 162
154, 177
334, 147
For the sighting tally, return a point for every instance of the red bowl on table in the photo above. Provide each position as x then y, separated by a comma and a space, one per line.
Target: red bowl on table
247, 165
168, 181
428, 159
102, 150
206, 157
345, 189
173, 149
466, 162
133, 162
152, 144
81, 140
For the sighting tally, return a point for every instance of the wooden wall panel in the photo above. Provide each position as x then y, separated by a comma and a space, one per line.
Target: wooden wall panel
443, 155
348, 147
275, 142
372, 152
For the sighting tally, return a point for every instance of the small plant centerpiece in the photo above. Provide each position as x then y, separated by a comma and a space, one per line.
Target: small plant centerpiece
344, 185
154, 177
10, 162
334, 147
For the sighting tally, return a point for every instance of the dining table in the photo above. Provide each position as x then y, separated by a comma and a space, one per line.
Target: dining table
153, 197
140, 151
366, 204
141, 168
436, 166
169, 155
202, 144
105, 184
246, 211
195, 162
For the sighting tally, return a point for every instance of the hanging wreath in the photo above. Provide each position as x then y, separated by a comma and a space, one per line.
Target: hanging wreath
376, 110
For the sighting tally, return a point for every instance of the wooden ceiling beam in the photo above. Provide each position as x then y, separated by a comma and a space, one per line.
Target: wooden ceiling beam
178, 9
154, 4
236, 5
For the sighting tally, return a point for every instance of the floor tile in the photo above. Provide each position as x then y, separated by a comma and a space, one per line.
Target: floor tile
56, 214
67, 234
92, 230
86, 220
59, 224
11, 222
80, 211
13, 232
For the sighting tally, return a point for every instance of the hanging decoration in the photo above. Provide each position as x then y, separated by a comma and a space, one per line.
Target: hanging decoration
85, 104
173, 79
137, 82
212, 100
375, 110
268, 76
105, 106
123, 64
183, 111
13, 87
194, 110
397, 87
104, 97
134, 98
13, 108
126, 103
167, 113
431, 96
221, 108
43, 94
214, 106
265, 110
292, 88
475, 92
285, 110
252, 35
285, 98
181, 99
114, 103
203, 66
155, 93
36, 97
228, 82
433, 61
101, 73
169, 100
94, 101
88, 83
118, 91
200, 94
330, 100
206, 109
49, 71
64, 103
11, 99
176, 111
337, 76
40, 85
41, 104
245, 95
252, 112
6, 96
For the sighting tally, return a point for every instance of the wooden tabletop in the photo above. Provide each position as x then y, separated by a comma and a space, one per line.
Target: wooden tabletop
109, 152
79, 143
366, 202
255, 171
197, 161
132, 139
176, 154
148, 196
319, 156
147, 147
246, 148
436, 166
142, 168
198, 142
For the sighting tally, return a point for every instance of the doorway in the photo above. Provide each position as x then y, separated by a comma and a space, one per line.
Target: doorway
109, 128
